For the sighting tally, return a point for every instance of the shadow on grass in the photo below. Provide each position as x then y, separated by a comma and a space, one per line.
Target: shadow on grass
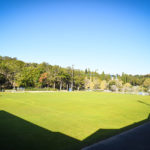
19, 134
143, 103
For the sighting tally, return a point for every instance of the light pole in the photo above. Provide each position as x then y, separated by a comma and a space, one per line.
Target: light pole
72, 77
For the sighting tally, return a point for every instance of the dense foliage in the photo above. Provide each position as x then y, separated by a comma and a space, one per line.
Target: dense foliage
15, 73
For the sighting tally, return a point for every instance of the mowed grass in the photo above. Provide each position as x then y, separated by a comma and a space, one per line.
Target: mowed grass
67, 120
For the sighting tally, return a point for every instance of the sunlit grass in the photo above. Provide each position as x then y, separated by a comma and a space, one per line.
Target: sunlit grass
77, 114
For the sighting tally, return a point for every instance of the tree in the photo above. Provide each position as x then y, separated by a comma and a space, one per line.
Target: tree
14, 73
96, 82
44, 79
126, 87
28, 77
147, 83
86, 83
103, 85
78, 79
2, 81
102, 76
60, 78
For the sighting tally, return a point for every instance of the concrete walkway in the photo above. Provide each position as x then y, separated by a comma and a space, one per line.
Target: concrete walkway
134, 139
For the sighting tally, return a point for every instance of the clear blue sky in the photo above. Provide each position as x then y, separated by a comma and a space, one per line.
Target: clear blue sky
109, 35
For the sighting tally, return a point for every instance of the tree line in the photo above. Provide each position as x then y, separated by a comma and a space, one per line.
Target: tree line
16, 73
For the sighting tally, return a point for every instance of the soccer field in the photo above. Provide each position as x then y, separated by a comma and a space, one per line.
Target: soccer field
66, 120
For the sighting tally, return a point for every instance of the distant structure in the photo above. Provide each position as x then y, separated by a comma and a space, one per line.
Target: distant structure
114, 77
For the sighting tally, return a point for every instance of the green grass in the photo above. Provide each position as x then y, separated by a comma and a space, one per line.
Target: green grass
67, 121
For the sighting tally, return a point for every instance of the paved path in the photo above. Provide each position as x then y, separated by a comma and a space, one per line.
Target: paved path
134, 139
